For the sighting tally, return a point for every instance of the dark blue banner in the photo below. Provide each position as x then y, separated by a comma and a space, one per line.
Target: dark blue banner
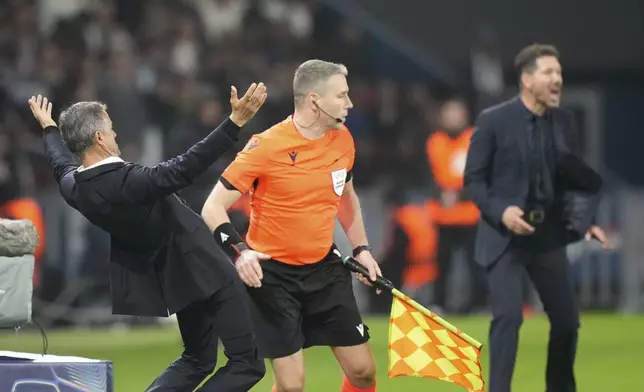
20, 374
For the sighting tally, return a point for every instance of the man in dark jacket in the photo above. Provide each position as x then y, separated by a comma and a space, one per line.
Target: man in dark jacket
536, 196
163, 259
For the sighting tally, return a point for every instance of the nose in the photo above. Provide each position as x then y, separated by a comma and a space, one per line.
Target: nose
349, 103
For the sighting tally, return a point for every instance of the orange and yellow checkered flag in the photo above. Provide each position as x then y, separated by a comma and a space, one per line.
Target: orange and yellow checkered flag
422, 344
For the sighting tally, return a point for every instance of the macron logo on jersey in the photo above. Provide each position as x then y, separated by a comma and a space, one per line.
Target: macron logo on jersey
360, 328
224, 237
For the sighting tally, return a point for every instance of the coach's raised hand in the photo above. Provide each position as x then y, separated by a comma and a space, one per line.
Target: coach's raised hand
41, 109
245, 108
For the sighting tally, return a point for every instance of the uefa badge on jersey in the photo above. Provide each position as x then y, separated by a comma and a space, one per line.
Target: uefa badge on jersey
252, 143
339, 178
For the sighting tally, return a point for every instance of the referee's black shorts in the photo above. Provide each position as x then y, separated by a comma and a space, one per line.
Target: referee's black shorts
303, 306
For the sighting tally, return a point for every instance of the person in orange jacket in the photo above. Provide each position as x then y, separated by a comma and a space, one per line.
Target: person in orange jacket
455, 215
409, 251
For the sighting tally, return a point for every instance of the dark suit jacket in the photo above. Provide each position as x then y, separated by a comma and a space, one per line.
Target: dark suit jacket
163, 256
496, 177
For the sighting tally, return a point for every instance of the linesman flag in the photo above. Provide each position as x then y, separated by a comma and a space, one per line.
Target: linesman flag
422, 344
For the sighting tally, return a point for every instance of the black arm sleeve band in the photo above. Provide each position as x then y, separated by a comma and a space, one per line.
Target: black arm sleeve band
227, 184
349, 176
229, 240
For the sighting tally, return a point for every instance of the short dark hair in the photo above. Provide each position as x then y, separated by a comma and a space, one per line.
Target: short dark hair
526, 60
78, 124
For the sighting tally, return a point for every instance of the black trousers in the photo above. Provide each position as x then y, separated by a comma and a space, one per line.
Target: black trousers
223, 316
551, 275
452, 239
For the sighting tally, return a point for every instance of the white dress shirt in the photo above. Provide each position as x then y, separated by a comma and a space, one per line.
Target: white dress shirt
103, 162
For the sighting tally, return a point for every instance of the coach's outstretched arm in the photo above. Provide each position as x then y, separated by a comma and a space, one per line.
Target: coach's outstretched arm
58, 156
94, 136
215, 214
172, 175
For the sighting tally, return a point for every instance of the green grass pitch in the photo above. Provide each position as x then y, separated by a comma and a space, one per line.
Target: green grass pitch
608, 359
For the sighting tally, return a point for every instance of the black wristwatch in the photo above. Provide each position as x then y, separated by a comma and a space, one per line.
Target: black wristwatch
359, 249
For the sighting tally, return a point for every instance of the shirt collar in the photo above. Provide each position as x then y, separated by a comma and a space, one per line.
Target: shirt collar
529, 115
103, 162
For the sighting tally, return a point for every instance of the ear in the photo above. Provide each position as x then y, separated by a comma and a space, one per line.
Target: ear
525, 79
99, 137
313, 98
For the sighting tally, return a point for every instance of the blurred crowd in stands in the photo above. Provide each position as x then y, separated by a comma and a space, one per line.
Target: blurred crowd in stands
165, 67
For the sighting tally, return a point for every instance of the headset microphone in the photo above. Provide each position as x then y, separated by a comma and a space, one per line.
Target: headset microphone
338, 120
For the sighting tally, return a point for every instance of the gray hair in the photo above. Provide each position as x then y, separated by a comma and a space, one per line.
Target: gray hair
79, 123
310, 74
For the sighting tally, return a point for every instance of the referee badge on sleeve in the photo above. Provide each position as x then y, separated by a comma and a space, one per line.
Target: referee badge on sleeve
339, 178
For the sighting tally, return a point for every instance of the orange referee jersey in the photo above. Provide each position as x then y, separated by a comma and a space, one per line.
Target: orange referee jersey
295, 186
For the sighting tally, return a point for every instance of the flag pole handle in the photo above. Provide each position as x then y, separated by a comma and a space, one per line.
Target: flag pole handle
384, 284
353, 265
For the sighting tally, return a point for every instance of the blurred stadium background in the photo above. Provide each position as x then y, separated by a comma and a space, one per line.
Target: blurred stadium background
164, 68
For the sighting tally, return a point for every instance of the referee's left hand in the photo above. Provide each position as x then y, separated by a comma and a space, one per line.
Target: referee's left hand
249, 269
366, 259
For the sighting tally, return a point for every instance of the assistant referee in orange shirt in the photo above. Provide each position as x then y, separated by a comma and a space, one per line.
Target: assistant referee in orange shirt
299, 175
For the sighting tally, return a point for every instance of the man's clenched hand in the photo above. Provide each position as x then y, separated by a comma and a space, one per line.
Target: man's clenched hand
366, 259
512, 219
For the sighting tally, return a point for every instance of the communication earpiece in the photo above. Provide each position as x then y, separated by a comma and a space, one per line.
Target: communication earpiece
338, 120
